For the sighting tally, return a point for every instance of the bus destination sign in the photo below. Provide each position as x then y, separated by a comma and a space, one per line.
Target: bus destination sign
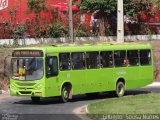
27, 53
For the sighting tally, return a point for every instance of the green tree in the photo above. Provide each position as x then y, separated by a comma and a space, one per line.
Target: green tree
105, 9
36, 6
108, 8
56, 30
133, 8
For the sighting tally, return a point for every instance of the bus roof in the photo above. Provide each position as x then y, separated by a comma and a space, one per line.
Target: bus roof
87, 47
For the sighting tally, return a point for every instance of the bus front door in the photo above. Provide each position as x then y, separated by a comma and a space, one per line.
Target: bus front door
51, 85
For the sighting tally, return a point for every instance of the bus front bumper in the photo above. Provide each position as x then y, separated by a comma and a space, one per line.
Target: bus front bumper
24, 91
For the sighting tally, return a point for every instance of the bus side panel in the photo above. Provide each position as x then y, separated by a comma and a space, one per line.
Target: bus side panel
94, 80
132, 76
139, 76
147, 75
108, 77
52, 87
78, 81
100, 80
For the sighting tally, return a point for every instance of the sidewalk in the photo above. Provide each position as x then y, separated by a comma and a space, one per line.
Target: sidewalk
4, 96
4, 92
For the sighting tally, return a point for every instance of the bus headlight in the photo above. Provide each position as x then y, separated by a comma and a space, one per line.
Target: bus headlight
38, 87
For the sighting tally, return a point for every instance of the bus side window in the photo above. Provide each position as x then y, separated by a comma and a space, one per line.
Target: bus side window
119, 57
133, 57
106, 59
92, 60
65, 62
145, 57
78, 61
51, 66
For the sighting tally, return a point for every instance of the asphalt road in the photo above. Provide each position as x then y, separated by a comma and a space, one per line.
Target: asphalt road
21, 108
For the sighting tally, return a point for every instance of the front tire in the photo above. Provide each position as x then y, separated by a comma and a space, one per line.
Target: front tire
120, 89
65, 94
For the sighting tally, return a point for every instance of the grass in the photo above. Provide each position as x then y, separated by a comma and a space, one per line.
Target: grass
133, 104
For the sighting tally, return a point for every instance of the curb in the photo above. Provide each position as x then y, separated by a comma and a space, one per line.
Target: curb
154, 84
82, 112
86, 109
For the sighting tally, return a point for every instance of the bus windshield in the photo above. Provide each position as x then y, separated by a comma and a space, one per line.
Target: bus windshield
27, 68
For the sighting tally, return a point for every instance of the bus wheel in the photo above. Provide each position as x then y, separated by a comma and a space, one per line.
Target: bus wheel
120, 89
35, 99
65, 94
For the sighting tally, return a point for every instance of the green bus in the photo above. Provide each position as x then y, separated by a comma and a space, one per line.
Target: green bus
67, 70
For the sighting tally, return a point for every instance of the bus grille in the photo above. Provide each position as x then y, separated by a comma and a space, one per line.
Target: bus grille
25, 84
25, 92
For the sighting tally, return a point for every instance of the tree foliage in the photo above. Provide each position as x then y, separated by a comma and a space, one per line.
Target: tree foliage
107, 11
105, 6
131, 7
36, 6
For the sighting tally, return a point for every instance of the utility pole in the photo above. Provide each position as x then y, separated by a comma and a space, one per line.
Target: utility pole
120, 22
70, 21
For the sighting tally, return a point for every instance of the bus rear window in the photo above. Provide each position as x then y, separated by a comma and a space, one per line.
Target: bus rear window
133, 57
145, 57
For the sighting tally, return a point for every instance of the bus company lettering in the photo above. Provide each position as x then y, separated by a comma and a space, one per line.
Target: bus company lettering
121, 73
3, 4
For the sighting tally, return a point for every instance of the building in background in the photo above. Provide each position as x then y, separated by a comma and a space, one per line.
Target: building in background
15, 12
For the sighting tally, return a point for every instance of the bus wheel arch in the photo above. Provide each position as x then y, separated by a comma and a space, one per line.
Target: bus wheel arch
120, 87
66, 92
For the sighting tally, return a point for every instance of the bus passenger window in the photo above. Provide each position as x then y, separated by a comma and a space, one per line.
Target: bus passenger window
145, 57
133, 57
78, 61
65, 61
106, 59
92, 60
125, 61
119, 57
